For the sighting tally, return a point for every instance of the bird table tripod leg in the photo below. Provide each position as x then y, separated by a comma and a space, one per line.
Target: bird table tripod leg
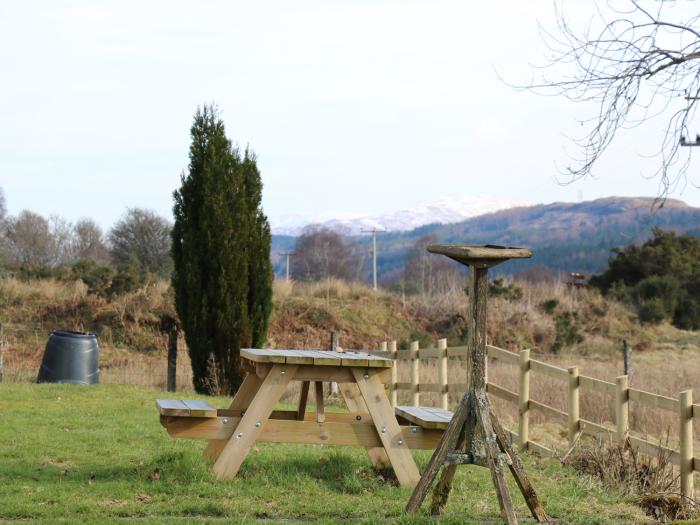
447, 444
494, 460
516, 468
464, 443
241, 401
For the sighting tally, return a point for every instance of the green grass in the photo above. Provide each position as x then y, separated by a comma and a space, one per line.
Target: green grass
71, 454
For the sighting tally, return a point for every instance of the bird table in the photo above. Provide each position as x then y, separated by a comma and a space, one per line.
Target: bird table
251, 417
474, 435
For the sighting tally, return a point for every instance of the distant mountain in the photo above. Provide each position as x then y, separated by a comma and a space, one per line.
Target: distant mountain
443, 211
567, 237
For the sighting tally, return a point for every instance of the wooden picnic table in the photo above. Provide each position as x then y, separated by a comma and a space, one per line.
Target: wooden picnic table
251, 417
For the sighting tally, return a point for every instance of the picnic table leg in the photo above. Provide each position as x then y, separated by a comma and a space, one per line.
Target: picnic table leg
320, 410
388, 428
254, 419
355, 403
303, 398
241, 401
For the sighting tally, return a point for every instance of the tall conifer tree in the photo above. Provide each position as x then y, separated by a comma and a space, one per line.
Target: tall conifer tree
222, 295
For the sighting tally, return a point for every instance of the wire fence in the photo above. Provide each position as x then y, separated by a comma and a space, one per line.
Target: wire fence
22, 349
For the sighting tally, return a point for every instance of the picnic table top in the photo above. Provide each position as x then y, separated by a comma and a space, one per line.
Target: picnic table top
316, 357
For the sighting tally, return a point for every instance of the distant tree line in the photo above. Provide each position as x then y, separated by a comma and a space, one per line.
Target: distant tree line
115, 261
661, 278
321, 253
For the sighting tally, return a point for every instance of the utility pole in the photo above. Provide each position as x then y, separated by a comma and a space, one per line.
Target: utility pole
686, 142
373, 231
287, 255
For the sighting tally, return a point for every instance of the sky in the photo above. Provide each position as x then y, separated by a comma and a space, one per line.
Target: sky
354, 106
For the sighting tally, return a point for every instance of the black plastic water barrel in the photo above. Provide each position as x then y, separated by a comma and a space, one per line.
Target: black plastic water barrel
70, 357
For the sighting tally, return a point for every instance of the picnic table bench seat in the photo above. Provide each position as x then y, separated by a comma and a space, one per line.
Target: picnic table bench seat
425, 417
185, 408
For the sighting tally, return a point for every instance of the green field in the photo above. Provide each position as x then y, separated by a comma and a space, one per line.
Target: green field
72, 454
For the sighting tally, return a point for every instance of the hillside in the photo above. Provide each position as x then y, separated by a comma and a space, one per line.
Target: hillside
565, 237
548, 318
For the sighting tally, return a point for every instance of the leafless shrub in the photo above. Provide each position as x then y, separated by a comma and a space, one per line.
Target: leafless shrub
321, 254
146, 235
652, 479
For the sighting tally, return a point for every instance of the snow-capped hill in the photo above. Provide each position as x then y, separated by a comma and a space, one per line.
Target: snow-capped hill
443, 211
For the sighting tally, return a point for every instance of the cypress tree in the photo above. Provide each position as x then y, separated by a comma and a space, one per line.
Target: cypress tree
260, 272
214, 237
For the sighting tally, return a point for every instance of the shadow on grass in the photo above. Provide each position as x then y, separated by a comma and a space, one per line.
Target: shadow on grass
333, 469
340, 470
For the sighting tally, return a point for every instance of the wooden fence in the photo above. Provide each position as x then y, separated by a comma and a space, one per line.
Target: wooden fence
619, 392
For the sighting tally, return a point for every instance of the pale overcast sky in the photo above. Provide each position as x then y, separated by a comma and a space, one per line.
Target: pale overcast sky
362, 106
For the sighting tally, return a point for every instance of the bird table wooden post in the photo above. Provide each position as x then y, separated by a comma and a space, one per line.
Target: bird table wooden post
474, 435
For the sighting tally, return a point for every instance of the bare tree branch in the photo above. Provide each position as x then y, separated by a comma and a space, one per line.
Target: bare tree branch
634, 64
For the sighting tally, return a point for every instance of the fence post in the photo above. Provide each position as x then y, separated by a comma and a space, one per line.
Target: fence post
524, 400
335, 344
2, 350
686, 437
382, 346
622, 408
415, 374
574, 421
394, 373
442, 374
172, 359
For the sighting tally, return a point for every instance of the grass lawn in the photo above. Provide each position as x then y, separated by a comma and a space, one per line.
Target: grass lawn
72, 454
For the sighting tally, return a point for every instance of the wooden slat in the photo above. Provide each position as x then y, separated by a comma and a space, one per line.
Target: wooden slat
297, 357
431, 387
594, 429
429, 353
323, 373
598, 385
349, 359
549, 370
457, 388
532, 446
458, 351
185, 408
403, 386
500, 353
548, 411
322, 358
654, 400
292, 431
172, 407
316, 357
653, 449
501, 392
426, 417
200, 408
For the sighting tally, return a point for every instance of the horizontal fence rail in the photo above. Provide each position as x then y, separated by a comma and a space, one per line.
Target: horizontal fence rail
618, 392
